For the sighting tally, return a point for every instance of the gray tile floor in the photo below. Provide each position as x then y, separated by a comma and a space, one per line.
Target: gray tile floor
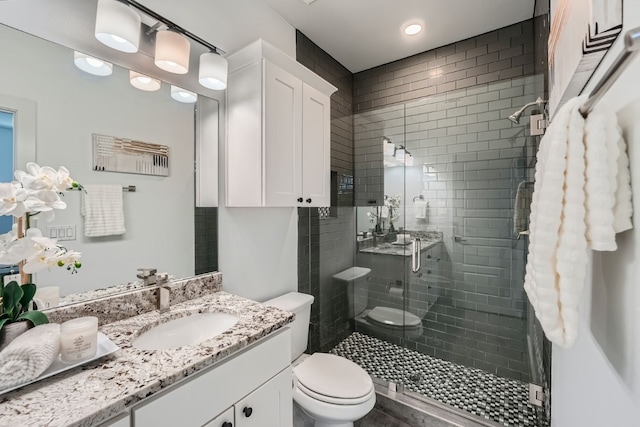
376, 418
473, 390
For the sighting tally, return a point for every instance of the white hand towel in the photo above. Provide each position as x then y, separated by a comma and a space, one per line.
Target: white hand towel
384, 212
420, 208
623, 209
557, 248
581, 198
103, 210
29, 355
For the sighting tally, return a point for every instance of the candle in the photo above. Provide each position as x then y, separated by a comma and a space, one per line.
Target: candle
79, 339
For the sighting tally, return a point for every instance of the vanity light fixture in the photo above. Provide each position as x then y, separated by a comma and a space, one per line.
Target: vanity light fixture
172, 52
142, 82
213, 71
118, 26
408, 159
183, 95
388, 147
92, 65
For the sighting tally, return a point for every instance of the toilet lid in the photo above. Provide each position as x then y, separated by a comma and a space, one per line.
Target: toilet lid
394, 317
329, 378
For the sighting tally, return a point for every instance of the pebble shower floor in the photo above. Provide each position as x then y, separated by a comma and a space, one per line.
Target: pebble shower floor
473, 390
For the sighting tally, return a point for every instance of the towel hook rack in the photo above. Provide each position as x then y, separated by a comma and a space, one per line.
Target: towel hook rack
631, 48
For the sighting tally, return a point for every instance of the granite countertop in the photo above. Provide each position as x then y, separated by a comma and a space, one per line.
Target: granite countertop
399, 250
92, 393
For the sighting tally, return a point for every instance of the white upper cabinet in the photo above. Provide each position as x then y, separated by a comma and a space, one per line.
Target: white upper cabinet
278, 131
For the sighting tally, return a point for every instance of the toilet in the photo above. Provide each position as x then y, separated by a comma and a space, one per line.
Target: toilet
385, 319
330, 389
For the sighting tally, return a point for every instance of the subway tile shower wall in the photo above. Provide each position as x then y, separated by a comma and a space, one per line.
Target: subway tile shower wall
473, 63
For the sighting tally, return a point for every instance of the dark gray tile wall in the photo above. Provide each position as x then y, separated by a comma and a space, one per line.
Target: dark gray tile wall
321, 63
206, 240
497, 55
494, 56
326, 246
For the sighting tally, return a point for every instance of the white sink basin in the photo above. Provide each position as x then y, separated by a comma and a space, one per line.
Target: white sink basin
187, 330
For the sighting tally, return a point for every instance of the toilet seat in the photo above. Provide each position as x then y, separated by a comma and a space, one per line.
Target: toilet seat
333, 379
394, 317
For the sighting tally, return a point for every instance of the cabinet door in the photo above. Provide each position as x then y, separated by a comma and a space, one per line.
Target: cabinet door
223, 420
122, 420
316, 147
283, 137
271, 405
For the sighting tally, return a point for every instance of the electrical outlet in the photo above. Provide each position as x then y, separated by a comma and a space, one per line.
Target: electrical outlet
61, 232
10, 278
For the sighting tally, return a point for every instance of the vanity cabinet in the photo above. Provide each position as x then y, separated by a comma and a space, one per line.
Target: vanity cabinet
252, 388
122, 420
279, 135
259, 409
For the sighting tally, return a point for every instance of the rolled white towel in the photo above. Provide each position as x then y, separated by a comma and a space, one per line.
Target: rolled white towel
29, 355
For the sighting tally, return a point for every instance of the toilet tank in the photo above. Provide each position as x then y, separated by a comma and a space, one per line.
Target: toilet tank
300, 304
355, 278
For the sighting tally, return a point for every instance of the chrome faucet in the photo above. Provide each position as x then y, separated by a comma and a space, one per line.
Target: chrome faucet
164, 298
148, 275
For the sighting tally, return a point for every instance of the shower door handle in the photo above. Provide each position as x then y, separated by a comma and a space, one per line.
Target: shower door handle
416, 245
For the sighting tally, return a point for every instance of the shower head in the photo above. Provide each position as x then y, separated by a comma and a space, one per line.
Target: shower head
515, 117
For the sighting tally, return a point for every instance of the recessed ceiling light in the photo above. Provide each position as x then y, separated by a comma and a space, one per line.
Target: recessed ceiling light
412, 29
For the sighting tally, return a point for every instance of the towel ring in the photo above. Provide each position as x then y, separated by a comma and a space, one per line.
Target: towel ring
420, 197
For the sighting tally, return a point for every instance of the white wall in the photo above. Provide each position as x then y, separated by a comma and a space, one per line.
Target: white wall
71, 105
597, 382
257, 246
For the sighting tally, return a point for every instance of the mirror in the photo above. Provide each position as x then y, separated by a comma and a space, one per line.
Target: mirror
71, 106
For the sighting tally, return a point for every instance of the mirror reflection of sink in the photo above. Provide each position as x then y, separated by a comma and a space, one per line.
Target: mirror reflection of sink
183, 331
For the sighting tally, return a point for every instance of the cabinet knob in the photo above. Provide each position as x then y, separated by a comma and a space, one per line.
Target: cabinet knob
428, 256
299, 199
308, 200
247, 411
428, 271
227, 424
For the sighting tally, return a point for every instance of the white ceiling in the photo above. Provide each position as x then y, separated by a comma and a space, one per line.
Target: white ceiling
361, 34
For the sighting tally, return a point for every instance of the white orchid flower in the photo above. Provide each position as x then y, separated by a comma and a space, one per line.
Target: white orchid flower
12, 200
64, 180
44, 201
41, 251
37, 178
9, 237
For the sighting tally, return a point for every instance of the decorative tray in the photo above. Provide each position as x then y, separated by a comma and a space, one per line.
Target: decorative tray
105, 347
401, 243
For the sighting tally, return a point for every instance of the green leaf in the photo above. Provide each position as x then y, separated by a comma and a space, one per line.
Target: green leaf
29, 291
11, 295
3, 321
36, 317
